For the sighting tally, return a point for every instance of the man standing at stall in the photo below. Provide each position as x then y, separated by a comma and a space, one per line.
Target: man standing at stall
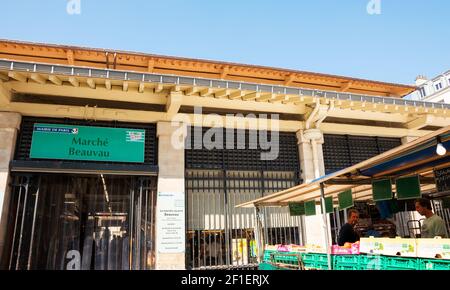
347, 234
434, 225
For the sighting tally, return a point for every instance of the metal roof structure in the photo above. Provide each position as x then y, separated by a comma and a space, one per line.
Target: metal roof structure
141, 62
58, 73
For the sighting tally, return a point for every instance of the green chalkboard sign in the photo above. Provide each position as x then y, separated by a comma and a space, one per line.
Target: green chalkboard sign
345, 199
328, 205
442, 178
296, 208
310, 208
382, 190
408, 187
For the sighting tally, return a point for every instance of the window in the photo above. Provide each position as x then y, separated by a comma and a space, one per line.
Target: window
438, 86
422, 92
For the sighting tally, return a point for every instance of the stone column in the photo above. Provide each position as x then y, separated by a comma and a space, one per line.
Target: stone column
9, 126
170, 214
314, 225
306, 157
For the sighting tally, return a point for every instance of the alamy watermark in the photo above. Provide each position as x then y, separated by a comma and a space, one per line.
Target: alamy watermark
374, 7
263, 133
73, 7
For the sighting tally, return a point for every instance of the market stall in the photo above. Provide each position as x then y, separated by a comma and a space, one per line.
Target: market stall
416, 169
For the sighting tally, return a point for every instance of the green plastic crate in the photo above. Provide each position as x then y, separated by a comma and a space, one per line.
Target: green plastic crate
401, 263
346, 259
266, 266
372, 262
287, 258
337, 266
316, 266
433, 264
347, 262
316, 261
287, 261
314, 257
266, 257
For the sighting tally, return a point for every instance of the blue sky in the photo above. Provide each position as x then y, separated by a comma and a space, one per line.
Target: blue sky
408, 38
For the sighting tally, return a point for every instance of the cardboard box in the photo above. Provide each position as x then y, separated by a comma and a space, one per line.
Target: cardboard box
389, 247
316, 249
337, 250
436, 248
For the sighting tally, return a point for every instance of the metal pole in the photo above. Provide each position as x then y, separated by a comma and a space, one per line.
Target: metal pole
16, 224
338, 224
22, 223
259, 239
325, 224
33, 227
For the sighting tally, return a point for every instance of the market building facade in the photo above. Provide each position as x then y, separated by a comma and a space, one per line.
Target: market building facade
102, 165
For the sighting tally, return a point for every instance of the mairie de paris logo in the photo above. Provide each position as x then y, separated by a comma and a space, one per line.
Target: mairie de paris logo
135, 136
43, 128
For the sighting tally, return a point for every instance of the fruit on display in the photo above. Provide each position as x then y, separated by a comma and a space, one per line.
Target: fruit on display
346, 249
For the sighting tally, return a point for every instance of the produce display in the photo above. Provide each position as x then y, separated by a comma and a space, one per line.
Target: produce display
390, 247
368, 254
347, 249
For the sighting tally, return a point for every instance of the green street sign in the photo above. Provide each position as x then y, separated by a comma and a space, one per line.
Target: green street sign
296, 208
71, 142
310, 208
382, 190
408, 187
345, 199
329, 208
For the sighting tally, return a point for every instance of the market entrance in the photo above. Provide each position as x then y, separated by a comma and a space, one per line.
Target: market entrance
72, 222
220, 236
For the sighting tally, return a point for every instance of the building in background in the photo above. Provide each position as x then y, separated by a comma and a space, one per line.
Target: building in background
436, 90
90, 177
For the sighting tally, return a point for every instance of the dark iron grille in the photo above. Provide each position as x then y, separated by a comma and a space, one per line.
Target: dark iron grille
214, 223
362, 148
341, 151
246, 158
47, 222
26, 132
386, 144
219, 179
336, 153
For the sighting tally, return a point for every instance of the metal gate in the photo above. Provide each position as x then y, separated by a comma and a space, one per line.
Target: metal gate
342, 151
220, 235
73, 222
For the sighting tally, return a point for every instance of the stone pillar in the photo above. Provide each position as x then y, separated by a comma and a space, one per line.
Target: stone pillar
306, 157
314, 225
9, 126
170, 203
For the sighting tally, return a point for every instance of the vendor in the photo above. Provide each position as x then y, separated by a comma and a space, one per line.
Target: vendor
347, 234
434, 225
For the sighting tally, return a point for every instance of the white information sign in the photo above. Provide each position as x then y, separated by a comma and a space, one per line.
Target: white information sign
171, 222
